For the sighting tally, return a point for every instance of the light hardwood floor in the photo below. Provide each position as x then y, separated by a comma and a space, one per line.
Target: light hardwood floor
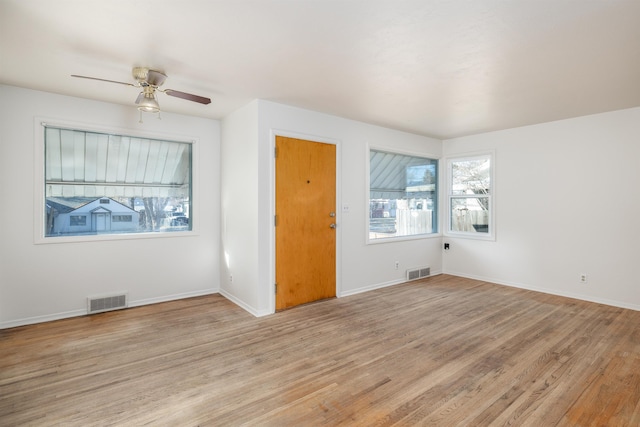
444, 351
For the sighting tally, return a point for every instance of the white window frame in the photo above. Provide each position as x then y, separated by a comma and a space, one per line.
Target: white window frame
39, 179
491, 234
437, 233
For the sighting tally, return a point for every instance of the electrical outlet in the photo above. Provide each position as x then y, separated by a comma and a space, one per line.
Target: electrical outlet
231, 278
397, 265
583, 278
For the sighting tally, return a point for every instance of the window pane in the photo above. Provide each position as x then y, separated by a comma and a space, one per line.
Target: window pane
76, 220
469, 214
471, 176
470, 195
112, 184
402, 195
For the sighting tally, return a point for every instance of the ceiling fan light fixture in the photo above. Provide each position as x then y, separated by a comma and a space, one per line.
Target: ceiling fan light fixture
150, 81
148, 103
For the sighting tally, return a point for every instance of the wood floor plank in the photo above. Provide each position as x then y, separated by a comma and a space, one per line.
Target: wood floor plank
444, 351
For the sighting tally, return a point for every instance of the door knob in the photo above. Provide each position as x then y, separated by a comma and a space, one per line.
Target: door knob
333, 225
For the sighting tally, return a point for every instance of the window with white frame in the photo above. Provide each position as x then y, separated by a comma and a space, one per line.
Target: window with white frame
403, 193
98, 183
470, 195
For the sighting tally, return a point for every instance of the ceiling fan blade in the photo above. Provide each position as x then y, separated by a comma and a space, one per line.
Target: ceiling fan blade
102, 80
155, 78
187, 96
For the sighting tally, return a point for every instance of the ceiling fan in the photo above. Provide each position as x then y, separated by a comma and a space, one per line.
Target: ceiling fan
150, 81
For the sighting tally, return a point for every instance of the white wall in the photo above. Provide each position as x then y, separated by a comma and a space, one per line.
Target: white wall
239, 246
567, 202
360, 266
48, 281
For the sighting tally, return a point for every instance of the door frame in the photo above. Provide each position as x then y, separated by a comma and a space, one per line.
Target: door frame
272, 200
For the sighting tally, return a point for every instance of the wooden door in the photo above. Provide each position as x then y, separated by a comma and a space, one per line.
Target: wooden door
305, 221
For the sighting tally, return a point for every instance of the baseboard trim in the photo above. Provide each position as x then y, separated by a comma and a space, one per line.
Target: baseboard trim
77, 313
243, 305
261, 313
588, 298
167, 298
42, 319
377, 286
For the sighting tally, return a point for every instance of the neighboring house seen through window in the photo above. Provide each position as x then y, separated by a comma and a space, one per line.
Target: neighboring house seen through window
98, 183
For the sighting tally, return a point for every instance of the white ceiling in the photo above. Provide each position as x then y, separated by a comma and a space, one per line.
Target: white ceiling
433, 67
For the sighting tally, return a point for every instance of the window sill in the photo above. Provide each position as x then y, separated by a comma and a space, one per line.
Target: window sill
111, 237
403, 238
471, 236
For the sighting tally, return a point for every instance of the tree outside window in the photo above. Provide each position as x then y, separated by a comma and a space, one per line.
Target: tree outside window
470, 194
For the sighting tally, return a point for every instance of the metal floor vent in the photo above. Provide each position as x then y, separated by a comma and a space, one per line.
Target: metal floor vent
418, 273
108, 303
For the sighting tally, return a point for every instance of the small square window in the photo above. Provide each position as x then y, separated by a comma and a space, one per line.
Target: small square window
77, 220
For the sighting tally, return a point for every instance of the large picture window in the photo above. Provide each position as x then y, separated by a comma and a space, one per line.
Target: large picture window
98, 183
402, 195
470, 196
